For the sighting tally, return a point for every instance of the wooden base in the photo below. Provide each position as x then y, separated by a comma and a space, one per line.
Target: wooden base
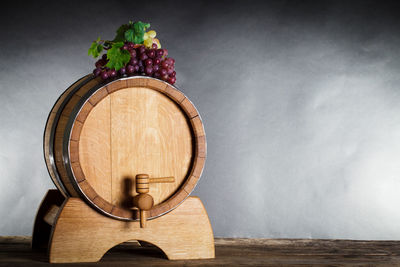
80, 234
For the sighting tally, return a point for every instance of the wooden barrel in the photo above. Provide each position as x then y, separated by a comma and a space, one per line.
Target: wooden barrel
99, 136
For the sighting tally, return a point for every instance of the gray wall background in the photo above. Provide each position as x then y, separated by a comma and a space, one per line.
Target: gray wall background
300, 101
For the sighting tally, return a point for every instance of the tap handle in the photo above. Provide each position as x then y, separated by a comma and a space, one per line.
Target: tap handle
143, 201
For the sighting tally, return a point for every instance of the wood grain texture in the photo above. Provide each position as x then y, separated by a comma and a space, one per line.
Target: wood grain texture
15, 251
170, 179
116, 85
60, 130
83, 235
95, 147
149, 134
129, 126
51, 215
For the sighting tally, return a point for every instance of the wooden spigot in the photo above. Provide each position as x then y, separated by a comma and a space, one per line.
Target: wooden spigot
143, 201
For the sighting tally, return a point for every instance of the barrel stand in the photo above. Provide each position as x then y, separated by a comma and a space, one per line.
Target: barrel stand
74, 232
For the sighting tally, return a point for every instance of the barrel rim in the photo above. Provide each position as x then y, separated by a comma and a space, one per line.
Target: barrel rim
58, 182
180, 191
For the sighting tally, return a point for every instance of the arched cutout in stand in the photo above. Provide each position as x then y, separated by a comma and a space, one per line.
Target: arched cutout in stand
138, 249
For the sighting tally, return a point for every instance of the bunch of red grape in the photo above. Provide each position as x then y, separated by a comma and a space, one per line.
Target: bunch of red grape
151, 62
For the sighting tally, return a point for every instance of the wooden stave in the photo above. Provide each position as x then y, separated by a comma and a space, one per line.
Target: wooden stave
57, 132
48, 136
181, 193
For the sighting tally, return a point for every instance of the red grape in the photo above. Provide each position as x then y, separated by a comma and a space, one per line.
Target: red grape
131, 45
160, 52
169, 61
173, 74
149, 70
163, 72
130, 69
97, 72
122, 70
104, 75
143, 56
170, 70
142, 49
164, 64
133, 61
100, 63
156, 61
171, 80
156, 68
148, 62
112, 73
151, 53
154, 46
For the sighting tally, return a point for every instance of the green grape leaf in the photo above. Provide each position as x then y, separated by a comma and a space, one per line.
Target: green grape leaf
117, 58
138, 39
140, 26
96, 48
139, 29
120, 37
131, 32
130, 35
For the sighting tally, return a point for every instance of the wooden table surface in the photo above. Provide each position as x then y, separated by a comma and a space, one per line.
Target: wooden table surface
16, 251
